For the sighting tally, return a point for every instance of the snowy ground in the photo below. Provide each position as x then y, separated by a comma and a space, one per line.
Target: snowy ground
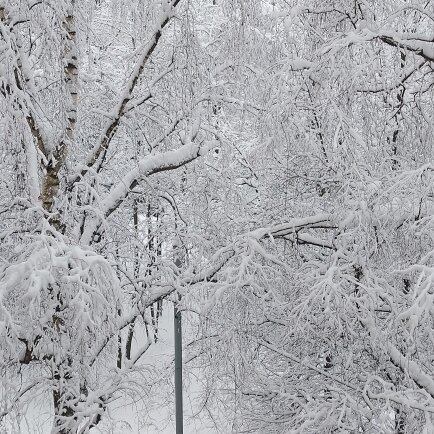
160, 419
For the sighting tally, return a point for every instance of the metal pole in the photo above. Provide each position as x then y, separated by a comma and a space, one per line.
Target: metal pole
178, 370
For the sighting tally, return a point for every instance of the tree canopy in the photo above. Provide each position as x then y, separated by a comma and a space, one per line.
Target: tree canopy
265, 165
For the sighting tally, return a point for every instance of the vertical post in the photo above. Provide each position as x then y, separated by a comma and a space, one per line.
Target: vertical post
178, 370
177, 322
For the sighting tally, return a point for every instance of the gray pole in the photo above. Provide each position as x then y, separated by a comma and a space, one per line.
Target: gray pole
178, 370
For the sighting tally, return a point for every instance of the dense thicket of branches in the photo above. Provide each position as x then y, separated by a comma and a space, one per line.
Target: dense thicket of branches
324, 324
271, 162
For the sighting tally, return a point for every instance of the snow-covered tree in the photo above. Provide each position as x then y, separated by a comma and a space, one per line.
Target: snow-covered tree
270, 161
321, 320
100, 103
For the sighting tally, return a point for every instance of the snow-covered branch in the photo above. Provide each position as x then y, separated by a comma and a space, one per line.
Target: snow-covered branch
124, 104
291, 230
148, 166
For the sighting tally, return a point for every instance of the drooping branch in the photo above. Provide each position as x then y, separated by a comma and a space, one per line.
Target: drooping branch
217, 262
